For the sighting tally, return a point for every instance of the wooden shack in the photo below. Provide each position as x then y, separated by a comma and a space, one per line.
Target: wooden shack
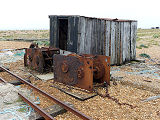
87, 35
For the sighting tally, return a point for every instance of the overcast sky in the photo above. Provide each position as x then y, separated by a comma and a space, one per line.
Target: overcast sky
33, 14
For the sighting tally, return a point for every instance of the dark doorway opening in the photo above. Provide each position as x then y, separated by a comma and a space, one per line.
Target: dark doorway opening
63, 33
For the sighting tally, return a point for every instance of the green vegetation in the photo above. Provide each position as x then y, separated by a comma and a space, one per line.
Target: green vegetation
144, 55
142, 46
138, 47
147, 37
138, 39
45, 43
19, 100
24, 109
7, 103
156, 36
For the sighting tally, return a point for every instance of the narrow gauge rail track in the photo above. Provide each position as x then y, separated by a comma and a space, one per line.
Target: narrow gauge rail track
64, 105
33, 105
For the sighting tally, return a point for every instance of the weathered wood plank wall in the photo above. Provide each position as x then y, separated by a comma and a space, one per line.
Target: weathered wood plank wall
91, 36
111, 38
115, 38
121, 41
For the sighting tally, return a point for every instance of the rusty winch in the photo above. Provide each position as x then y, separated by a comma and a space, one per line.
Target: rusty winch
81, 70
40, 59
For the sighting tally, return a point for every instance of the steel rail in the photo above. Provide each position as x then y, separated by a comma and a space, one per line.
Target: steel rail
64, 105
37, 108
1, 79
33, 105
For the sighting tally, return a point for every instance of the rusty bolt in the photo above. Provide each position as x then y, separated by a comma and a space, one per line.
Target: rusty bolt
80, 73
64, 67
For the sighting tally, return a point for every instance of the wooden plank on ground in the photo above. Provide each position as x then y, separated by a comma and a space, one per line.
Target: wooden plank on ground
17, 82
76, 95
53, 110
152, 98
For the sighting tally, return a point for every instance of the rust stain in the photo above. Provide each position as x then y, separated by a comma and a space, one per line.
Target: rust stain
81, 70
40, 59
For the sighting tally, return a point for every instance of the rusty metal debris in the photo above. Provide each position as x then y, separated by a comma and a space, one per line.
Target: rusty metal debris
117, 101
71, 69
39, 59
81, 70
106, 94
33, 45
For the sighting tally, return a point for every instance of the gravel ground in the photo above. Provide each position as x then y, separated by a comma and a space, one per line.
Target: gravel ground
13, 45
100, 108
153, 52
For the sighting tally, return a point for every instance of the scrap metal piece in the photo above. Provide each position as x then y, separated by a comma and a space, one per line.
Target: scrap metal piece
102, 65
152, 98
40, 59
81, 70
33, 45
65, 69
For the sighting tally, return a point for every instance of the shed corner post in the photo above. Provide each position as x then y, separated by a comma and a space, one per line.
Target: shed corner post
53, 31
